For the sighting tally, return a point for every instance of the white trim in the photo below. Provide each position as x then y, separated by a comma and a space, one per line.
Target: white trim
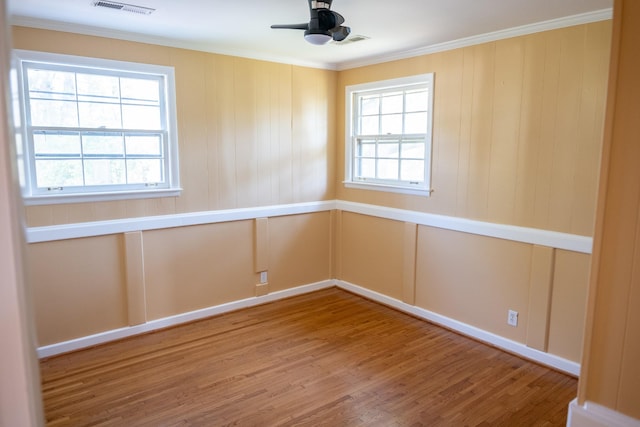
554, 239
534, 236
101, 228
99, 197
154, 325
387, 188
553, 24
502, 343
593, 415
571, 242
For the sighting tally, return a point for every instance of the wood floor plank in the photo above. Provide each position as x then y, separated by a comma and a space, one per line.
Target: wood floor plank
326, 358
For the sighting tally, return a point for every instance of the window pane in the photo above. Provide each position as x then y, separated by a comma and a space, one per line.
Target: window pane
387, 169
97, 88
49, 84
412, 170
102, 145
58, 173
370, 105
140, 91
391, 124
413, 150
104, 172
415, 123
53, 113
367, 149
141, 117
366, 168
392, 103
97, 115
387, 149
148, 145
65, 144
416, 101
369, 125
141, 171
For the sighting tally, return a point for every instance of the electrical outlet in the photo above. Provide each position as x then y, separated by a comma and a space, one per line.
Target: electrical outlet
263, 277
512, 318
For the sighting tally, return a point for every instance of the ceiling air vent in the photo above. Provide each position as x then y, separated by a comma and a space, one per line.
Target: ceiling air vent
351, 39
124, 7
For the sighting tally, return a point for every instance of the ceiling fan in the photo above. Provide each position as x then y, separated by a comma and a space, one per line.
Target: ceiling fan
323, 25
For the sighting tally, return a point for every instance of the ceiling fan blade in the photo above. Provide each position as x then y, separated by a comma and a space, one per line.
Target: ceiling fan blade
340, 33
339, 18
304, 26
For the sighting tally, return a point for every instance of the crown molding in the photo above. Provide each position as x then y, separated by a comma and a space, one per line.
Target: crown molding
553, 24
87, 30
584, 18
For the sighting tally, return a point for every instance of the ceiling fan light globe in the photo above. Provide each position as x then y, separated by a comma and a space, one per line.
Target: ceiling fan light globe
317, 38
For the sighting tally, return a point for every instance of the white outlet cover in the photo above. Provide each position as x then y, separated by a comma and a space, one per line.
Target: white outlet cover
512, 318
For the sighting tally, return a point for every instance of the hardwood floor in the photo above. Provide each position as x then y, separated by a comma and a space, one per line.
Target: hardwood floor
327, 358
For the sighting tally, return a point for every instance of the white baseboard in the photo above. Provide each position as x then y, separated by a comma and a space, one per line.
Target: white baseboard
153, 325
593, 415
520, 349
471, 331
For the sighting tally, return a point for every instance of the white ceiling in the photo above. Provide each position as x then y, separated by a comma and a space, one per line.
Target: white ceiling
395, 29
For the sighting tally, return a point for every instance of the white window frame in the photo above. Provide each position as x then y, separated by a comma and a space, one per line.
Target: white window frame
34, 196
351, 93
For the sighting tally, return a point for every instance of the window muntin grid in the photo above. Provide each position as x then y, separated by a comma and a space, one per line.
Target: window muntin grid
390, 135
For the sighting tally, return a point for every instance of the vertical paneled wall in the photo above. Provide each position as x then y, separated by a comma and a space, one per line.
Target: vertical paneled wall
517, 129
611, 373
98, 284
78, 287
251, 133
470, 278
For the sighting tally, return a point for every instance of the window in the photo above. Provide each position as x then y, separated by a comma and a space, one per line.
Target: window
94, 129
388, 141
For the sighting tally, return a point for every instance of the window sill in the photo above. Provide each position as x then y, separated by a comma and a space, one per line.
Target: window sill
99, 197
388, 188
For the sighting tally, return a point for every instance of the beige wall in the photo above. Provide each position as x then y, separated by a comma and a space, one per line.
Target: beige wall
568, 304
610, 371
474, 279
517, 129
195, 267
471, 278
299, 250
90, 285
372, 253
78, 287
251, 133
